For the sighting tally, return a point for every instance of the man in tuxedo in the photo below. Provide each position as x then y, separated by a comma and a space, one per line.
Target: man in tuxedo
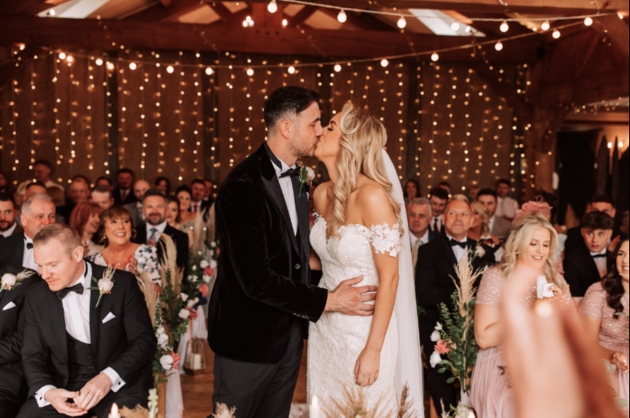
499, 227
140, 187
123, 193
263, 299
434, 285
12, 382
587, 264
37, 212
154, 207
419, 216
79, 192
438, 198
199, 202
598, 203
8, 212
83, 350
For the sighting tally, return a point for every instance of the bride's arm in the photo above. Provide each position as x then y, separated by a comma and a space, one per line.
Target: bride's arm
376, 210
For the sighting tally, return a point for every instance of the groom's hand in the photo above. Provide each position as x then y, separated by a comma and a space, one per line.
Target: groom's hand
58, 399
351, 300
94, 391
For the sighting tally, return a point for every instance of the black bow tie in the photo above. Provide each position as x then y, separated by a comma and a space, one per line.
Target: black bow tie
598, 255
454, 243
29, 245
76, 288
293, 172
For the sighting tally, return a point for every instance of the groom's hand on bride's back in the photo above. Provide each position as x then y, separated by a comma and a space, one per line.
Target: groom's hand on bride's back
350, 299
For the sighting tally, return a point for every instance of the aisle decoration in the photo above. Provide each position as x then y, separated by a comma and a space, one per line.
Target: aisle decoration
174, 305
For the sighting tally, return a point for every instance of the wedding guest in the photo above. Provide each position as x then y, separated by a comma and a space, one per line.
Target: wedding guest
85, 219
8, 214
434, 285
419, 216
497, 225
57, 195
140, 187
36, 212
198, 189
78, 192
102, 196
42, 171
542, 208
68, 354
186, 216
411, 190
605, 316
446, 186
586, 265
532, 244
209, 196
123, 193
598, 203
438, 197
506, 206
473, 192
163, 184
114, 233
104, 181
172, 212
480, 232
4, 184
34, 188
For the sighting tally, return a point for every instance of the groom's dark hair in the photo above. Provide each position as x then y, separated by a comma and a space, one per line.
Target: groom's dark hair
289, 99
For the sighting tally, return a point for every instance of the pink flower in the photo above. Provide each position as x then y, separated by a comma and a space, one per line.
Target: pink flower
208, 271
441, 347
203, 289
176, 360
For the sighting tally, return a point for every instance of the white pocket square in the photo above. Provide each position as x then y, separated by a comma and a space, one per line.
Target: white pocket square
8, 306
109, 317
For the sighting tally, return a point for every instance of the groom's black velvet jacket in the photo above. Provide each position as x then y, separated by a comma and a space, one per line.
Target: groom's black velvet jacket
261, 290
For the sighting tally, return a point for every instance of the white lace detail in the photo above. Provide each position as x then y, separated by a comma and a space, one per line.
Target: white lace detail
385, 239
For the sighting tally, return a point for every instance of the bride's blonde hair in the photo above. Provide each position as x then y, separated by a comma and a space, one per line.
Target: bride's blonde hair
362, 140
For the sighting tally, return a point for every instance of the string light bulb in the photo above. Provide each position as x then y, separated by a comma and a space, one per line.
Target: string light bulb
401, 22
248, 22
588, 21
435, 57
170, 69
132, 66
620, 15
337, 68
51, 12
250, 72
455, 26
545, 25
284, 23
341, 17
556, 34
384, 63
70, 58
504, 26
498, 46
110, 66
209, 71
272, 7
98, 62
62, 55
291, 70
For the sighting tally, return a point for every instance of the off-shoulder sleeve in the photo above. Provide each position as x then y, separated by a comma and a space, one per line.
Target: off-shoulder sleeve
491, 287
385, 239
593, 301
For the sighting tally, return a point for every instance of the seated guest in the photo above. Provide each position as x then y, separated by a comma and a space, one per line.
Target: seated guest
34, 187
8, 214
172, 212
605, 314
438, 198
140, 187
123, 192
57, 195
480, 232
473, 191
78, 192
4, 184
114, 232
209, 195
434, 285
411, 190
599, 203
186, 216
198, 189
506, 206
105, 182
586, 265
102, 196
497, 225
532, 244
94, 356
12, 383
163, 184
446, 186
419, 216
85, 219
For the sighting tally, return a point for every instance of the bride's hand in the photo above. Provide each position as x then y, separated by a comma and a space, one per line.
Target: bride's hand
367, 367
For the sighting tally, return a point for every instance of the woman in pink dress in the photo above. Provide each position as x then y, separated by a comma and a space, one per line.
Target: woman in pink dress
605, 313
532, 243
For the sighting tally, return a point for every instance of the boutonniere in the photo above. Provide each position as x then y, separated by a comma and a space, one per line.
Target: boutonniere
306, 177
479, 251
105, 284
9, 281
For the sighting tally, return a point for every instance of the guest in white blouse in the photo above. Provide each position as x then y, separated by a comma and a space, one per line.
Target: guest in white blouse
506, 206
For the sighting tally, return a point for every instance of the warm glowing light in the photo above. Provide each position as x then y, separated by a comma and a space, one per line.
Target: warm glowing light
98, 62
62, 55
132, 66
250, 72
209, 71
272, 7
455, 26
610, 145
384, 63
341, 17
401, 22
545, 25
504, 26
435, 57
588, 21
290, 70
70, 58
51, 12
170, 69
337, 68
498, 46
556, 34
284, 23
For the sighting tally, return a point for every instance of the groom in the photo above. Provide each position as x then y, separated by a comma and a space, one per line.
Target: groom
263, 299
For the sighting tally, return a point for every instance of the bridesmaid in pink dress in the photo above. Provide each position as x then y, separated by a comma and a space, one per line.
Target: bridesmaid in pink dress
532, 243
601, 303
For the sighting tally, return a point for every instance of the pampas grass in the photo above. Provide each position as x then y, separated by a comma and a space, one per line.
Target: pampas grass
465, 289
169, 264
137, 412
150, 295
404, 409
224, 412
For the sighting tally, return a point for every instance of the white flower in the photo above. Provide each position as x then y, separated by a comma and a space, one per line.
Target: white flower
184, 313
213, 244
183, 297
203, 264
310, 174
159, 331
196, 300
8, 280
105, 286
435, 359
438, 327
435, 335
206, 278
213, 264
162, 340
167, 362
194, 268
480, 251
211, 253
190, 304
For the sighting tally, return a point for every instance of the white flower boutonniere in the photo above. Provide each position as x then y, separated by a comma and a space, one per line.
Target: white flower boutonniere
306, 177
105, 284
9, 281
479, 251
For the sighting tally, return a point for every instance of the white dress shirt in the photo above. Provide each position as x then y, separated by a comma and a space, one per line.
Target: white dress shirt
600, 262
140, 211
158, 233
506, 207
491, 223
457, 250
27, 259
76, 315
9, 231
287, 191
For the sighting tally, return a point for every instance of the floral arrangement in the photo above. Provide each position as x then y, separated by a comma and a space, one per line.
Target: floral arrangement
105, 284
10, 281
306, 177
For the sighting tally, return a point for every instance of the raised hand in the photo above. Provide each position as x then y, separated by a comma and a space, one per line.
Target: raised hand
351, 300
93, 391
58, 399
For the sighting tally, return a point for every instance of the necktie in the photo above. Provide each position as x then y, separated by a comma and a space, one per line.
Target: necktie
435, 225
598, 255
293, 172
29, 245
76, 288
153, 234
194, 207
123, 195
454, 243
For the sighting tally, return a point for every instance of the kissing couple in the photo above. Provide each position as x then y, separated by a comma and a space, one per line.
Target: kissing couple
361, 317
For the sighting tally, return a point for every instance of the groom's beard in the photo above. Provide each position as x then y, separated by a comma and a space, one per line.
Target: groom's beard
301, 148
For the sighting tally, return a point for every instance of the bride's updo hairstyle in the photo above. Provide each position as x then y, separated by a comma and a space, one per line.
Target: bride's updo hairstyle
519, 239
362, 140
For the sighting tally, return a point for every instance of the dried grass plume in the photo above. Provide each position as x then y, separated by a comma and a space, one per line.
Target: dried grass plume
169, 263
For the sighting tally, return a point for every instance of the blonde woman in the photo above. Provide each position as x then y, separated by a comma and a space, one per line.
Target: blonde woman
358, 232
480, 232
531, 244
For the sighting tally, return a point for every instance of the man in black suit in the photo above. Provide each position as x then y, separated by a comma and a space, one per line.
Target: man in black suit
498, 226
434, 285
8, 214
262, 299
438, 198
154, 208
587, 264
12, 382
78, 192
37, 212
80, 344
598, 203
123, 194
419, 216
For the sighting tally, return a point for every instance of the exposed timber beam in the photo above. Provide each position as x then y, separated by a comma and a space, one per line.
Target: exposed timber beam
27, 7
227, 16
362, 21
159, 12
301, 16
89, 34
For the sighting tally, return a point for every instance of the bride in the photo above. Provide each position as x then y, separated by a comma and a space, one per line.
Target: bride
362, 231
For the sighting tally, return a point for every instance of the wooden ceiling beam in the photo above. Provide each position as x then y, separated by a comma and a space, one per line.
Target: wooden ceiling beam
491, 28
159, 12
301, 16
27, 7
228, 17
89, 34
363, 21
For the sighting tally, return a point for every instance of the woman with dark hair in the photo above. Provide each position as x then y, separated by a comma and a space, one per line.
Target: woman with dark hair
186, 217
605, 313
85, 219
172, 212
164, 184
411, 190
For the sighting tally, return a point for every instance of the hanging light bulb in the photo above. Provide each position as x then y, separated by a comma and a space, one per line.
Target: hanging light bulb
341, 17
384, 63
504, 26
110, 66
284, 23
455, 26
62, 55
70, 58
555, 34
132, 66
498, 46
170, 69
250, 72
272, 7
620, 15
51, 12
588, 21
401, 22
337, 68
435, 57
98, 62
545, 25
209, 71
291, 70
248, 22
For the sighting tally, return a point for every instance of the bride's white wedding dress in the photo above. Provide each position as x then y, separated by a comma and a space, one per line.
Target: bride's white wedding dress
336, 340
